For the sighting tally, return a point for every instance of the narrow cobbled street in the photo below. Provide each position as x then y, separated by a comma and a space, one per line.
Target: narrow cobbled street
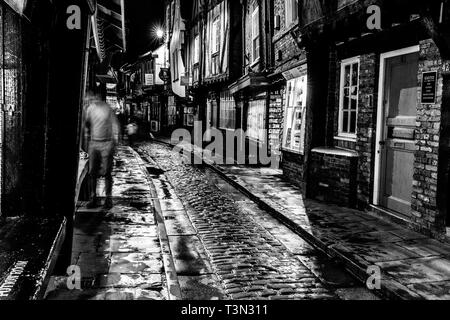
225, 247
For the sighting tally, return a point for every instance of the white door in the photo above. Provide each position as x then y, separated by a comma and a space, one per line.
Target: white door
398, 137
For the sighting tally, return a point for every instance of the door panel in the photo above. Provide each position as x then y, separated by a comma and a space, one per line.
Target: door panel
399, 132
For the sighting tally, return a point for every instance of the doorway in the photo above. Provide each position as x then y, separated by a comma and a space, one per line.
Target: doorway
397, 112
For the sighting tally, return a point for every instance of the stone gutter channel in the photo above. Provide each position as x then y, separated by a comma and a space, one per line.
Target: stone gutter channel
390, 289
173, 285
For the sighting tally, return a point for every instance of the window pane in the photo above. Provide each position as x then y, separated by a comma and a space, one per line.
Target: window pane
355, 74
345, 122
353, 122
347, 76
354, 104
346, 103
294, 10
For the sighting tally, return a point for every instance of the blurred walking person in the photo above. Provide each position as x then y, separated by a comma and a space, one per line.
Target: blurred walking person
132, 130
102, 130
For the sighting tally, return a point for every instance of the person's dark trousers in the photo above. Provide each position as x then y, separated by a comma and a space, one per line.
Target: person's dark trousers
131, 140
101, 153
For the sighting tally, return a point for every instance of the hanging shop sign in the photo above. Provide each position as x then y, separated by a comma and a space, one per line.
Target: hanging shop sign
295, 72
17, 5
185, 81
164, 75
149, 79
429, 86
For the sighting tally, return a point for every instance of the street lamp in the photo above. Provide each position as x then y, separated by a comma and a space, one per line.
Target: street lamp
159, 33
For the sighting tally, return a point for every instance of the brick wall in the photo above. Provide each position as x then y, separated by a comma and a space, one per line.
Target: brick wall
293, 166
367, 115
334, 174
283, 42
424, 198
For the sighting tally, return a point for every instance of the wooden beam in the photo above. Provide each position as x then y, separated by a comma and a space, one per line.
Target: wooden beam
96, 36
109, 12
124, 31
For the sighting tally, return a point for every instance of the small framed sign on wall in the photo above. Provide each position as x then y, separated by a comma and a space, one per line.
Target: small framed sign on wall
429, 86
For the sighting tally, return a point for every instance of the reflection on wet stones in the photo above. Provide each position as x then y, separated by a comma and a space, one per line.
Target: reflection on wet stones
232, 235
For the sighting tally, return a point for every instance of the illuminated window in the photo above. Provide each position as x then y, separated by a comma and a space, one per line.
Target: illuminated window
256, 120
295, 115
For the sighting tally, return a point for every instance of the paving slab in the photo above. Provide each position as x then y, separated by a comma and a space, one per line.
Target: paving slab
201, 288
415, 271
118, 250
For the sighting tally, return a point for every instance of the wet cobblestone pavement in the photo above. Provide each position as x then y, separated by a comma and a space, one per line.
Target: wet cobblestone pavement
118, 251
225, 247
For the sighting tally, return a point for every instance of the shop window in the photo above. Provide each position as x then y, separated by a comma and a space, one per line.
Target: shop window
189, 117
255, 34
349, 96
256, 120
227, 119
295, 115
291, 7
172, 111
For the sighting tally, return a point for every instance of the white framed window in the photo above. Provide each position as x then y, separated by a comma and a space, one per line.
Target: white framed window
215, 41
227, 119
256, 120
349, 98
291, 9
255, 34
196, 49
295, 115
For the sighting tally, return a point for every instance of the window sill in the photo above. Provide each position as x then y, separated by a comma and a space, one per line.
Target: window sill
346, 138
256, 62
293, 151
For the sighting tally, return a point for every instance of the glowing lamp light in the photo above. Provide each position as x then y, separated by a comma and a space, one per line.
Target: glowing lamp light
160, 33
